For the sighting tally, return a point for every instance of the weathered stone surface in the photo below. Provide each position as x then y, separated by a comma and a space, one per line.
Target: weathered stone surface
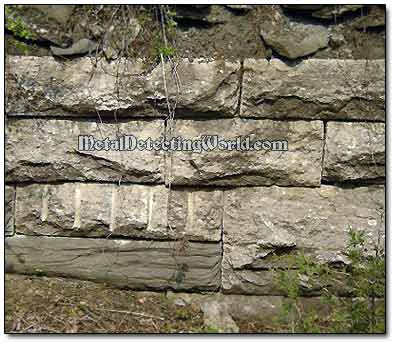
45, 86
315, 221
240, 307
314, 89
266, 282
124, 263
277, 222
240, 8
82, 46
300, 165
375, 18
217, 316
248, 307
59, 13
334, 11
101, 210
47, 150
354, 151
293, 39
9, 201
197, 214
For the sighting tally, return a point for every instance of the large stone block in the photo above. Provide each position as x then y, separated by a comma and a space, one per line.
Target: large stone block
300, 165
103, 210
9, 208
124, 263
47, 150
314, 89
45, 86
277, 222
292, 39
354, 151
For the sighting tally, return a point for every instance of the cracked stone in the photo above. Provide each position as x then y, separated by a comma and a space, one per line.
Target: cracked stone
314, 89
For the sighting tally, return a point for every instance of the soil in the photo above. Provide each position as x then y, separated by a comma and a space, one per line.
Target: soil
209, 32
37, 304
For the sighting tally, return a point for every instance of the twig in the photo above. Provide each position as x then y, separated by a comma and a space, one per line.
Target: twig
140, 314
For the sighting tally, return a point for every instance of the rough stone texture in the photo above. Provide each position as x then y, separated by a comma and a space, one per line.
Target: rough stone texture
9, 207
44, 86
375, 18
197, 214
47, 150
334, 11
300, 165
80, 47
275, 222
265, 282
101, 210
217, 316
354, 151
293, 39
240, 7
132, 264
248, 307
315, 221
314, 89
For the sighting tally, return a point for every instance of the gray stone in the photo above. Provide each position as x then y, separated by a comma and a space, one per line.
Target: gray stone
243, 308
80, 47
354, 151
300, 165
240, 307
47, 150
123, 263
293, 39
179, 302
44, 86
278, 222
314, 89
9, 208
59, 13
196, 214
103, 210
334, 11
216, 316
240, 8
375, 18
315, 221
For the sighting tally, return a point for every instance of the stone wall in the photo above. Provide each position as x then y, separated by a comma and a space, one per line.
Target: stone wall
229, 219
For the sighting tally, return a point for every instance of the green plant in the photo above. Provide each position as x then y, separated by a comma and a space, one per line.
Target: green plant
364, 278
16, 25
167, 51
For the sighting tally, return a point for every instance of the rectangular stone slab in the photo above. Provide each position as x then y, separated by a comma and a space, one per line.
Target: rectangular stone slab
47, 150
314, 89
103, 210
44, 86
300, 165
125, 263
9, 208
354, 151
265, 225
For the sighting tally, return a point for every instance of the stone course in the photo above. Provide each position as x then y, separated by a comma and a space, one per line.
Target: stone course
211, 221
